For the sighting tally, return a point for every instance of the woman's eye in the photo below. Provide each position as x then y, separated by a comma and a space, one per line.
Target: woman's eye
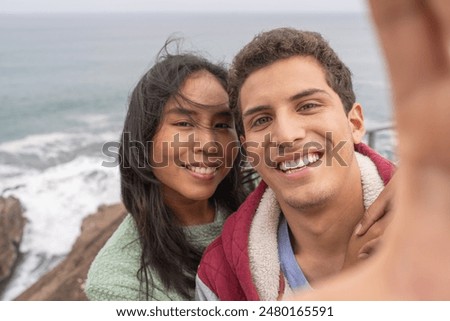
183, 124
261, 121
222, 125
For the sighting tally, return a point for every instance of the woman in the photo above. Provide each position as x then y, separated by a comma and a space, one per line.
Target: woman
180, 179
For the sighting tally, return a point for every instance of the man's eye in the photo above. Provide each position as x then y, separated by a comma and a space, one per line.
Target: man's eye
308, 106
261, 121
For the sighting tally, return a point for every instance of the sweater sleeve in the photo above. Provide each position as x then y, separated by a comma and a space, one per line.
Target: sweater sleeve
113, 273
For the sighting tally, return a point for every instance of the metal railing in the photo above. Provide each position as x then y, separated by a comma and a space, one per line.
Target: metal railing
372, 133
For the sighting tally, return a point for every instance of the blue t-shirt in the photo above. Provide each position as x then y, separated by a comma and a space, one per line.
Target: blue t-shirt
289, 265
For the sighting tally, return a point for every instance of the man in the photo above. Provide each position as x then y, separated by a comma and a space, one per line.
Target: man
302, 130
414, 261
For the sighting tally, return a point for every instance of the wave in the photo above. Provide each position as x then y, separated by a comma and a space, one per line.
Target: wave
47, 150
56, 200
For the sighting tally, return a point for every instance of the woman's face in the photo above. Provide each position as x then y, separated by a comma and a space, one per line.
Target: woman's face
195, 146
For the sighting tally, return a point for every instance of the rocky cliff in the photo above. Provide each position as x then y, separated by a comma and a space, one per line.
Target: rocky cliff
12, 224
66, 281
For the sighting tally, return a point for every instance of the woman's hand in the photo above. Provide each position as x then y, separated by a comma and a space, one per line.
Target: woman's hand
364, 246
380, 208
368, 233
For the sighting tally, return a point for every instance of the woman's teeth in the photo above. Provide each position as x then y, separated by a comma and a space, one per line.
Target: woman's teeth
201, 170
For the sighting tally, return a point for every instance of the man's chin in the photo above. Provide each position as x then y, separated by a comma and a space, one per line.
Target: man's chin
306, 202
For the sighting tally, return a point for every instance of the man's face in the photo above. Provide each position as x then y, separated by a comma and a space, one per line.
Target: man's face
297, 134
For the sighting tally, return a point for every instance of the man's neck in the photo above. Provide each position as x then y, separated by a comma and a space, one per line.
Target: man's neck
320, 236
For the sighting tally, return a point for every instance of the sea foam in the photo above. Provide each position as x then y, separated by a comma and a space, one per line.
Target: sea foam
56, 199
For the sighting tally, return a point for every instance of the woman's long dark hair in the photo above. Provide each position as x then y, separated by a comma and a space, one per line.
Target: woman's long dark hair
165, 249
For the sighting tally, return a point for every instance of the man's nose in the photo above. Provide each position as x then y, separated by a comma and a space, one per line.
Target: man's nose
288, 129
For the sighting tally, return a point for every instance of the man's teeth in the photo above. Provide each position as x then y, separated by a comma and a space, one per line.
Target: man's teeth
201, 170
300, 162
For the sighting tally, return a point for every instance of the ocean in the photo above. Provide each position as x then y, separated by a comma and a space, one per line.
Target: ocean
64, 86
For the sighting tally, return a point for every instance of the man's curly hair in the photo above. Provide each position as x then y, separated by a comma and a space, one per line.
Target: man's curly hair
281, 43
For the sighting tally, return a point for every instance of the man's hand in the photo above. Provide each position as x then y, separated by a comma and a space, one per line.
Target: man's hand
416, 38
415, 35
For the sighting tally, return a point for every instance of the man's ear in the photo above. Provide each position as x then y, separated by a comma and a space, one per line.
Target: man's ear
356, 119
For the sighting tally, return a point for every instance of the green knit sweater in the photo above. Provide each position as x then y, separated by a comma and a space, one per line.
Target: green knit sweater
113, 274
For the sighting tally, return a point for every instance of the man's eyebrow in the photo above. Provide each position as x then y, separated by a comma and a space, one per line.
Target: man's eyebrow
308, 92
299, 95
255, 110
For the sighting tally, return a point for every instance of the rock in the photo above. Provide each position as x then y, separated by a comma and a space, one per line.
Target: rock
12, 224
66, 281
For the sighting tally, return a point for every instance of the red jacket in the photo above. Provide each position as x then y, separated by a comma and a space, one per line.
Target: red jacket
225, 271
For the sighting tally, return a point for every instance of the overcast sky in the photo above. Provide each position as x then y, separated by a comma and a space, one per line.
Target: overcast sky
51, 6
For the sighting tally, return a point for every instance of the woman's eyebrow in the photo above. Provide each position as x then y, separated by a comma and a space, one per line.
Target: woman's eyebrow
222, 112
181, 111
